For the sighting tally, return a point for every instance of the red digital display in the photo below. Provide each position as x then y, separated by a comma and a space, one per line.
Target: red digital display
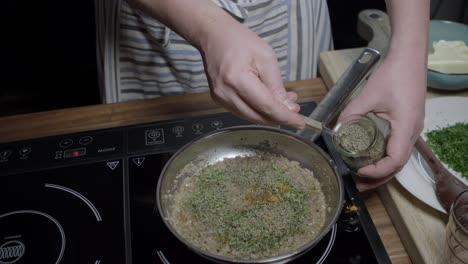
74, 152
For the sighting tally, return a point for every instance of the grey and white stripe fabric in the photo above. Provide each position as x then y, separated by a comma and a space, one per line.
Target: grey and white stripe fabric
141, 58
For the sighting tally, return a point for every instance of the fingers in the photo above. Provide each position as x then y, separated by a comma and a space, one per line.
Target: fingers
383, 168
260, 98
249, 98
241, 109
398, 151
256, 92
270, 76
364, 184
291, 102
230, 100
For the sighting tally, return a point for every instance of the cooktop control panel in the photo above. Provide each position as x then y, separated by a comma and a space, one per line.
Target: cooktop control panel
154, 137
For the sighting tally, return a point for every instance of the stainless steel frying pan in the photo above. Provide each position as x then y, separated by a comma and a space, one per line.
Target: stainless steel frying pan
246, 141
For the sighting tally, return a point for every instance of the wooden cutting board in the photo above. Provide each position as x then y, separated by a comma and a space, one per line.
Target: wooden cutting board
421, 228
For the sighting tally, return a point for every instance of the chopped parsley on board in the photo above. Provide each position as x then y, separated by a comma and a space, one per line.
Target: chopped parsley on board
450, 144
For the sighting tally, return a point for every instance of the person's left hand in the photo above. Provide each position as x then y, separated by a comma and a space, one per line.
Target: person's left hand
395, 92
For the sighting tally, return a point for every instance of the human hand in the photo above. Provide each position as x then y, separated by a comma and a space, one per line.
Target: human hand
244, 76
242, 69
395, 92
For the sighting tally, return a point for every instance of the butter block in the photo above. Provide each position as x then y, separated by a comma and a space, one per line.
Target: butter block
449, 57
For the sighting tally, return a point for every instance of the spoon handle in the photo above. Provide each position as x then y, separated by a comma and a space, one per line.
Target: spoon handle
430, 158
312, 123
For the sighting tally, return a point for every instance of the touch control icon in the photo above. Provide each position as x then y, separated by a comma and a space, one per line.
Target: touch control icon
25, 151
154, 136
4, 154
11, 252
178, 130
197, 127
138, 161
85, 140
217, 124
58, 154
65, 143
113, 164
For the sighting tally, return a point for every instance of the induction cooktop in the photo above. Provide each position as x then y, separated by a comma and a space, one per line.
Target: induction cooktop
89, 197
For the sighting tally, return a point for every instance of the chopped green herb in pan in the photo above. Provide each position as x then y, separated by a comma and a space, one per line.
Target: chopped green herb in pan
250, 207
451, 146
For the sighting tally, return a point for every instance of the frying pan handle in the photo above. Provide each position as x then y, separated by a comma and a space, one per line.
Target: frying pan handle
374, 26
334, 102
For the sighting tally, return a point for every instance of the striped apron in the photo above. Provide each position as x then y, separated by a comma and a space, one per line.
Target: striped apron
141, 58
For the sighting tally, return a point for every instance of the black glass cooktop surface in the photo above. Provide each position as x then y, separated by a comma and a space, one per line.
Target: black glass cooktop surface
90, 198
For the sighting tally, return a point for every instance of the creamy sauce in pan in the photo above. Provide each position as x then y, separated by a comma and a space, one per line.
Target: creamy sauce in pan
250, 207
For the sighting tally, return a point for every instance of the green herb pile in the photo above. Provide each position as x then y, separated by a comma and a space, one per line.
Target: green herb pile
450, 144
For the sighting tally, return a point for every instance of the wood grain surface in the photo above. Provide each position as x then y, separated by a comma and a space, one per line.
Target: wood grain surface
36, 125
420, 227
41, 124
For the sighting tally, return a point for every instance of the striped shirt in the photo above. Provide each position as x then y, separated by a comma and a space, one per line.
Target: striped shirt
140, 57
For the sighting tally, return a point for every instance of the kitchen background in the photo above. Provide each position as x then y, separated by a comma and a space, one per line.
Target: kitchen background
48, 49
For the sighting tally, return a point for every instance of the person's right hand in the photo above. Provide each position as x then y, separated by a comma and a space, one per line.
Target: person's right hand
242, 69
244, 75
